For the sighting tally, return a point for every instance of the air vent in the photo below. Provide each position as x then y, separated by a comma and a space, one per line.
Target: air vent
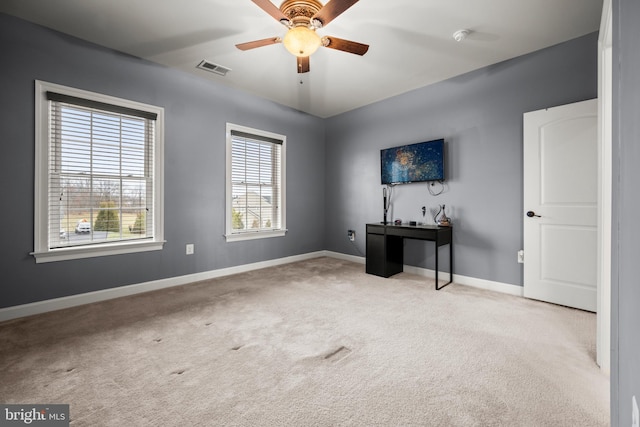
214, 68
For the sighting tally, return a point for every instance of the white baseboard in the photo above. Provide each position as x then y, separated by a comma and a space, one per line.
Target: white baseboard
489, 285
345, 257
39, 307
504, 288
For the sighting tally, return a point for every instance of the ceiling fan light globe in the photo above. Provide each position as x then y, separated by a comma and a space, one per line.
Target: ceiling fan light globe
301, 41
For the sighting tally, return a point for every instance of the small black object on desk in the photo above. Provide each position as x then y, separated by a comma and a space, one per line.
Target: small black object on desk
385, 202
385, 248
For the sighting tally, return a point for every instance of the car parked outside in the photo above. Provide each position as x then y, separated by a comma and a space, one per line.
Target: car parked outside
83, 226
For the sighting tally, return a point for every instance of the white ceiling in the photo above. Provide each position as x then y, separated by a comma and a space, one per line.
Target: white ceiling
411, 43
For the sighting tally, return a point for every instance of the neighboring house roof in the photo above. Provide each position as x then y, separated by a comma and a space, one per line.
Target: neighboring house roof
255, 209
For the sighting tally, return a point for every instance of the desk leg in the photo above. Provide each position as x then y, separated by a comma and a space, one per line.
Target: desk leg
437, 247
451, 260
450, 265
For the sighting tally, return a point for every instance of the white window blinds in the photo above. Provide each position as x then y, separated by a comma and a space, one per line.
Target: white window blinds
256, 181
101, 172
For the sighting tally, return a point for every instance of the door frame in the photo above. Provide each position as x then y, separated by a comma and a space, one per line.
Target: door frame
605, 92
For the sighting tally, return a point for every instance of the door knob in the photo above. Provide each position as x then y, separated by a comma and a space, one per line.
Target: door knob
531, 214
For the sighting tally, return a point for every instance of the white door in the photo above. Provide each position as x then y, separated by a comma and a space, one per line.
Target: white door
560, 205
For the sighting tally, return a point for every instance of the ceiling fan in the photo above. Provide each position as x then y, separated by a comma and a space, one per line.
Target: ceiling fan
303, 18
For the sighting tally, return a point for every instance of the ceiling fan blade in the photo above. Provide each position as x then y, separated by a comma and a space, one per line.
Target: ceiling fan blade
271, 9
303, 64
345, 45
258, 43
332, 10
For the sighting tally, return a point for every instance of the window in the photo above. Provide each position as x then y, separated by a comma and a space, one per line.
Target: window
98, 184
255, 205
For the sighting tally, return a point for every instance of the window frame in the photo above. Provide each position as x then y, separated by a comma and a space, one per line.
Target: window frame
234, 236
42, 252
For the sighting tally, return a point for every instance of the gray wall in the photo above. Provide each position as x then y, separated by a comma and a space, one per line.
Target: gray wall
480, 116
625, 295
196, 111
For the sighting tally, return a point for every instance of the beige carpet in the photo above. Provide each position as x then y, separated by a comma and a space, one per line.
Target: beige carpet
314, 343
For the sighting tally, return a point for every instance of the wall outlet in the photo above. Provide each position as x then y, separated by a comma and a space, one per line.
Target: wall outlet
190, 248
352, 235
635, 414
520, 256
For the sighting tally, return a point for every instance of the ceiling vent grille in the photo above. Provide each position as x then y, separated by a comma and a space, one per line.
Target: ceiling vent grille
213, 68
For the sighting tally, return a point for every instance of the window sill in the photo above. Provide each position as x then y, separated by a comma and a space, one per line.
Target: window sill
65, 254
252, 235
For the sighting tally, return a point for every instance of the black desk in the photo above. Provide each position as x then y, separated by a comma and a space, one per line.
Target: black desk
385, 249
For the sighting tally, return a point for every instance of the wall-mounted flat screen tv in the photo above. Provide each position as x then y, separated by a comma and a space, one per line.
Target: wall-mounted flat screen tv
419, 162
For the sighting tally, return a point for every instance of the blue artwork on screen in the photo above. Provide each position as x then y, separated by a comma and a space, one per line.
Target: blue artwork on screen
419, 162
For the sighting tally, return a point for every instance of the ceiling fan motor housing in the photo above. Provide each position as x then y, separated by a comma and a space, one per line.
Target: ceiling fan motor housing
300, 12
